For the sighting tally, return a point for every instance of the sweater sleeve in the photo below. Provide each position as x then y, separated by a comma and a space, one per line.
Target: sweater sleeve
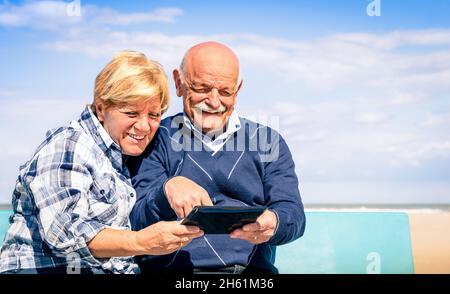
149, 175
282, 194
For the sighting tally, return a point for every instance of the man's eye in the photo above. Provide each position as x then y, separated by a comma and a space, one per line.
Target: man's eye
225, 93
202, 90
131, 114
153, 115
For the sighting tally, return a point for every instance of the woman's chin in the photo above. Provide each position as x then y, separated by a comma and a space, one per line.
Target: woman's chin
132, 150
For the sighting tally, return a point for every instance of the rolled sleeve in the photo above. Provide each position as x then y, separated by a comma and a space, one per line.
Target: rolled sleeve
70, 234
66, 221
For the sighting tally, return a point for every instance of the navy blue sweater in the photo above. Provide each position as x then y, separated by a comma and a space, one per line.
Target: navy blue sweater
255, 167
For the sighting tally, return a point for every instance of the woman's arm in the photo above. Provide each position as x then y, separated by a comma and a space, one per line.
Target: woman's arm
60, 183
160, 238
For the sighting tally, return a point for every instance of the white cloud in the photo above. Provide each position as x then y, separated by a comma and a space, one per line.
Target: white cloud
395, 39
365, 192
9, 93
433, 120
349, 105
56, 15
353, 60
358, 138
167, 15
385, 96
323, 65
370, 118
50, 15
419, 152
24, 122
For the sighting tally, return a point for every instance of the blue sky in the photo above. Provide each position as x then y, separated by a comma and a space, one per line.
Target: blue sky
362, 101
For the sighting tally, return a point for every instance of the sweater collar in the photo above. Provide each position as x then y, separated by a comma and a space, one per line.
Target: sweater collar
233, 125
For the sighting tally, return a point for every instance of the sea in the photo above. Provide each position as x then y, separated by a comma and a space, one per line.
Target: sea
372, 207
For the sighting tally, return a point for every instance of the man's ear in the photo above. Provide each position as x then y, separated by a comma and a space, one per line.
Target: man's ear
100, 111
240, 85
177, 79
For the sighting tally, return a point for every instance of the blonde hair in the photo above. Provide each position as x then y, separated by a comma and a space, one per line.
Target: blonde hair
131, 78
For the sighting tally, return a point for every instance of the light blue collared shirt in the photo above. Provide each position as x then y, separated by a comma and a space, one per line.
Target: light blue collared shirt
216, 144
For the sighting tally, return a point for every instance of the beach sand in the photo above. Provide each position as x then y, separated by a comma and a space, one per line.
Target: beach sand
430, 237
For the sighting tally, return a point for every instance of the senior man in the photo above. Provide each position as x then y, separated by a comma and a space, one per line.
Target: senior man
208, 155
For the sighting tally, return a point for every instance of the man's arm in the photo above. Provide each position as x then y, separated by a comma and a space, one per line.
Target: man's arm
284, 221
283, 196
149, 172
160, 194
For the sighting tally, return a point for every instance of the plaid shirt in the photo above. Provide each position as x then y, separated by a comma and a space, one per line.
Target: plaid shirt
75, 185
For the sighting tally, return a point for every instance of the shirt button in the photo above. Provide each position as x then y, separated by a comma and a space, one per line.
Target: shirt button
131, 195
102, 191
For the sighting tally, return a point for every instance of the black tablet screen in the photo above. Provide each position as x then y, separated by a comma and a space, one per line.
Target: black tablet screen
222, 219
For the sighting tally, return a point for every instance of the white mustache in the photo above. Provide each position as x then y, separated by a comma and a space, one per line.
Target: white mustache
202, 106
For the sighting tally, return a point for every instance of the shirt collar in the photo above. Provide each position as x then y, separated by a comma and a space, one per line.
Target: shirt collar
89, 121
233, 125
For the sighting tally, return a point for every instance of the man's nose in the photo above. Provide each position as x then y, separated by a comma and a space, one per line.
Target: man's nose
213, 99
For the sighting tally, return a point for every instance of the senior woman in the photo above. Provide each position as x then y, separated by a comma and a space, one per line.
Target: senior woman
72, 198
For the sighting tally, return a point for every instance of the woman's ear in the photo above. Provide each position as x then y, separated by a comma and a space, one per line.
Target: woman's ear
99, 109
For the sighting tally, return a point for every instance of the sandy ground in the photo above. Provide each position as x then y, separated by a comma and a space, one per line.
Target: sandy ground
430, 237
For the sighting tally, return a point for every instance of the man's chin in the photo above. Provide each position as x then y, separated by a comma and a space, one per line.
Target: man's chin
210, 127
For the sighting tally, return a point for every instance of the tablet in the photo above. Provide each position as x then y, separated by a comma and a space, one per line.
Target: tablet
222, 219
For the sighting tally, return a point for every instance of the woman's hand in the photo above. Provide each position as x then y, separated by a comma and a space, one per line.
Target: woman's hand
165, 237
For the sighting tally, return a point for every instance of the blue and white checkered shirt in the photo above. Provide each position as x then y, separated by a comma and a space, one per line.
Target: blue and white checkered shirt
75, 185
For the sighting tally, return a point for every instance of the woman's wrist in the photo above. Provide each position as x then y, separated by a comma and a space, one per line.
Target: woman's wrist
134, 244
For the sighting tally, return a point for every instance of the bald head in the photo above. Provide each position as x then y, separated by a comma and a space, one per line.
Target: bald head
213, 55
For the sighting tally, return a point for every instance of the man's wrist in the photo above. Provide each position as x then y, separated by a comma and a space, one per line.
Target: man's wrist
165, 186
277, 223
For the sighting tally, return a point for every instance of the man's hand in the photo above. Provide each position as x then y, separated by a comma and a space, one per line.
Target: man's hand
260, 231
183, 194
164, 237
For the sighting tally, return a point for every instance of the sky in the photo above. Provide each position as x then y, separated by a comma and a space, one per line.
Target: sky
359, 89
